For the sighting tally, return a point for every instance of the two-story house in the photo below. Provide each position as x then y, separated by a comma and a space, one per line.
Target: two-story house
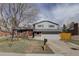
46, 29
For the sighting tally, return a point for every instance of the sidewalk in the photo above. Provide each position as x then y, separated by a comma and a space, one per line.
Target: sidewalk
63, 48
16, 54
10, 54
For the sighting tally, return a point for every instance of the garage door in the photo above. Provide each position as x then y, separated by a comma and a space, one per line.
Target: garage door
50, 36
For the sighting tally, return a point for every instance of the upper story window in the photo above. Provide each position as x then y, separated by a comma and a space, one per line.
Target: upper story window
51, 25
40, 25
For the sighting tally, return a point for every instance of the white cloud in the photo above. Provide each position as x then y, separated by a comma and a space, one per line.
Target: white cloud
64, 12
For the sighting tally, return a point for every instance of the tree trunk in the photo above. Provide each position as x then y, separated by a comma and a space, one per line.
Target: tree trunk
12, 35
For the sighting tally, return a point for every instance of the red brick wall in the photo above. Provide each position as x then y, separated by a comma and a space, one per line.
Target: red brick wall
4, 33
26, 33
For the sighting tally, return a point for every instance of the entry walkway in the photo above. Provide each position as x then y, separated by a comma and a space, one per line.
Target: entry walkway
63, 48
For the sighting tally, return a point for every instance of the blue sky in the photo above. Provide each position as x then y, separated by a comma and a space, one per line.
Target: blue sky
59, 13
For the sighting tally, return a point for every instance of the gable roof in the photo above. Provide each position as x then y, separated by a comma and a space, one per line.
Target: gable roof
45, 21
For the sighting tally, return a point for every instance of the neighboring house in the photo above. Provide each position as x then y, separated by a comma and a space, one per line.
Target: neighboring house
73, 25
46, 29
73, 28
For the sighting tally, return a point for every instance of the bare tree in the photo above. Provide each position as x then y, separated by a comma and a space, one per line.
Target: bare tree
71, 26
14, 14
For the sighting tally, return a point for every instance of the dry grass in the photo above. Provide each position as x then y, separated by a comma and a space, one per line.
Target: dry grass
75, 41
24, 46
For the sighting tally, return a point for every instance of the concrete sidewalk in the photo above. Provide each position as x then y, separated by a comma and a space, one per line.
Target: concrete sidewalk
16, 54
63, 48
10, 54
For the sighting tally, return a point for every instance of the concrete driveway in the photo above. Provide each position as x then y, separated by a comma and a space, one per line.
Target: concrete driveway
63, 48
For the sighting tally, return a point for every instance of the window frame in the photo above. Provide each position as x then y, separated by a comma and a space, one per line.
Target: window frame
51, 26
40, 25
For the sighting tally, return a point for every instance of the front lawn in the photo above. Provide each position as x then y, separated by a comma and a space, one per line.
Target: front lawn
23, 46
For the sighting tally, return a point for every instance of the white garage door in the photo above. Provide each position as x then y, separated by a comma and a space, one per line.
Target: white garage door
50, 36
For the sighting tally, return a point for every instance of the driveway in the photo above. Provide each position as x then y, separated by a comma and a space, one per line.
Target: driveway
48, 36
63, 48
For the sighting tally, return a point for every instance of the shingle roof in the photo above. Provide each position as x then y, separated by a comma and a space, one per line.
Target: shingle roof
45, 21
